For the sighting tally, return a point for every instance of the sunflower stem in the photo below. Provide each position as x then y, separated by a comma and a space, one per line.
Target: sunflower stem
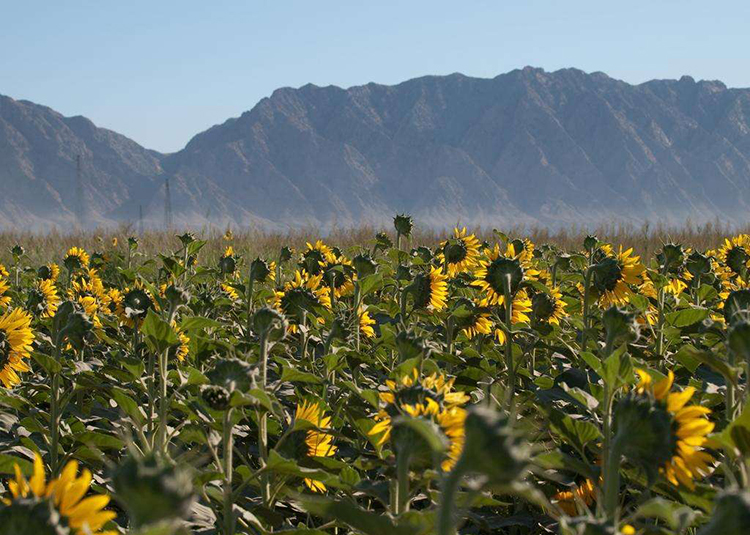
161, 440
150, 373
54, 420
402, 481
509, 340
263, 418
612, 477
445, 520
586, 285
228, 442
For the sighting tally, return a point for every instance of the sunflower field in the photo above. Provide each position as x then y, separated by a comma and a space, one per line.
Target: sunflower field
493, 386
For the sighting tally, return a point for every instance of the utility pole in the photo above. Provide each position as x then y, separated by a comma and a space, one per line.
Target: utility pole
167, 205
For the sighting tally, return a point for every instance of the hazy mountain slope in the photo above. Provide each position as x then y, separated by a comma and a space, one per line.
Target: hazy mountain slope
524, 147
38, 151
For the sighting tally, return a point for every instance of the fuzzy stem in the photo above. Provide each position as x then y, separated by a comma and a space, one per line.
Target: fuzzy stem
228, 443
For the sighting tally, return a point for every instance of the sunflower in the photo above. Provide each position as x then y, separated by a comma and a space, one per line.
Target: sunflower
477, 323
494, 270
15, 345
340, 275
50, 299
522, 306
4, 287
568, 500
88, 290
615, 273
432, 398
229, 251
76, 258
184, 348
300, 295
461, 253
85, 516
430, 290
735, 254
548, 307
49, 271
230, 292
318, 442
366, 323
316, 256
688, 426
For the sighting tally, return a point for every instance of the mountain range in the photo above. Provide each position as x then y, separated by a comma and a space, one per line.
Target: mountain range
527, 147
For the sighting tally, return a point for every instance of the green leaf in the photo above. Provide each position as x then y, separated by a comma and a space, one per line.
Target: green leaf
687, 316
370, 283
357, 518
159, 334
293, 375
577, 433
196, 323
127, 404
49, 364
7, 463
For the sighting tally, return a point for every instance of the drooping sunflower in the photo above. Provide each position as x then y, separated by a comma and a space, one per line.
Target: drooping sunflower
230, 291
49, 271
339, 275
478, 322
88, 290
84, 515
433, 398
494, 271
300, 295
610, 283
45, 298
568, 500
76, 258
735, 254
16, 338
679, 454
461, 253
548, 307
316, 256
318, 442
430, 290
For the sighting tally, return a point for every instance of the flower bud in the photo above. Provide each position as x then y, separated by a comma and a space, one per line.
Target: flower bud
737, 306
259, 270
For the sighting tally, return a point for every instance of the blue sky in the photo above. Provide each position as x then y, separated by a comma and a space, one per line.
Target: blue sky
162, 71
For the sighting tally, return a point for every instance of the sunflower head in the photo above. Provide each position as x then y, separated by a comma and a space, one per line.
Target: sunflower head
31, 515
620, 324
382, 242
137, 303
606, 274
216, 397
76, 259
430, 290
671, 257
227, 263
231, 373
697, 264
493, 448
737, 306
657, 431
285, 254
502, 275
590, 242
267, 320
544, 306
259, 270
152, 489
403, 224
364, 265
